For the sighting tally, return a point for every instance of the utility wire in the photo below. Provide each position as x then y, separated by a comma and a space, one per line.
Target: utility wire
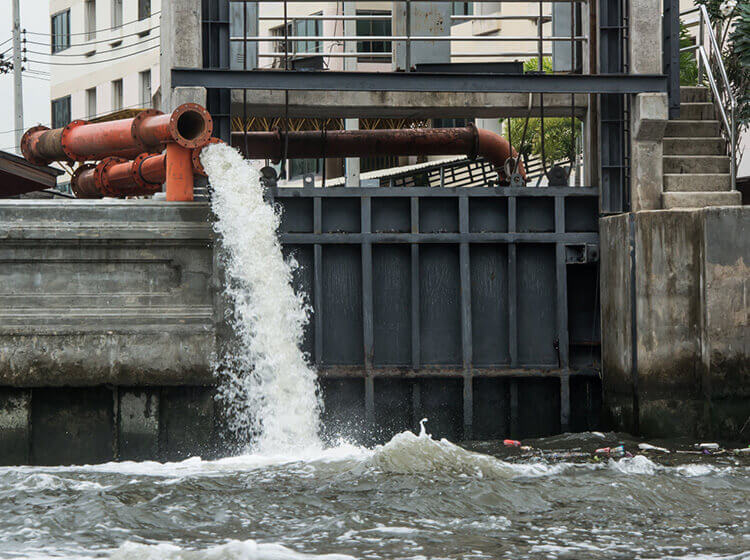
92, 62
113, 49
95, 30
110, 40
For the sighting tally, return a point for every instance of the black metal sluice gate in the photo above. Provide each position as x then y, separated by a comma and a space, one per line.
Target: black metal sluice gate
477, 307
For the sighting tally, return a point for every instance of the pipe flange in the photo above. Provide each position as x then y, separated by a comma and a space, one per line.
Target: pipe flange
145, 187
196, 155
134, 128
27, 143
472, 155
100, 173
199, 140
65, 142
74, 181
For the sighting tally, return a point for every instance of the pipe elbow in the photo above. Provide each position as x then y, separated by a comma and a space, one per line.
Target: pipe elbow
497, 150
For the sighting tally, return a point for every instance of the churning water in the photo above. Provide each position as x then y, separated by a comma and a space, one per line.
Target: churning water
415, 497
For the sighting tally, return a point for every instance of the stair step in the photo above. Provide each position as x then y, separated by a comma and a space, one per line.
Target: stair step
700, 199
693, 94
696, 164
696, 111
690, 147
694, 129
697, 182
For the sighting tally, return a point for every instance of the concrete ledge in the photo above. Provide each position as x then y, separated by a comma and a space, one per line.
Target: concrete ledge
115, 292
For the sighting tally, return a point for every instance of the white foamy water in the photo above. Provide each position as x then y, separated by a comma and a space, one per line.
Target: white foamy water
233, 550
270, 390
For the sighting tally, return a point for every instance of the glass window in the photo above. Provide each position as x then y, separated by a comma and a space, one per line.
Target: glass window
116, 13
60, 31
91, 103
450, 123
463, 8
117, 95
144, 9
301, 167
145, 82
373, 28
60, 112
90, 17
308, 28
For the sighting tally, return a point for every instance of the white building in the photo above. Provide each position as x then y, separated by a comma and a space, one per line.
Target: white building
105, 57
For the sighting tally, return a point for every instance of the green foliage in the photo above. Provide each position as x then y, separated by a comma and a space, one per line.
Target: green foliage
559, 140
688, 64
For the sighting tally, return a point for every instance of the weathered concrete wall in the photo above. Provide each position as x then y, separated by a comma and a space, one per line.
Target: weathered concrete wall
98, 292
693, 333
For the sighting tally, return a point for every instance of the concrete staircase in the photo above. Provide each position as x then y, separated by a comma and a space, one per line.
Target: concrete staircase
696, 167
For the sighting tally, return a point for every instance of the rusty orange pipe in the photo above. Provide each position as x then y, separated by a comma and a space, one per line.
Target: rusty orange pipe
179, 181
467, 140
190, 126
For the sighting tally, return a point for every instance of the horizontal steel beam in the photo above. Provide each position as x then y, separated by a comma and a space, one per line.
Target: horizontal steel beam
417, 81
431, 372
430, 192
396, 238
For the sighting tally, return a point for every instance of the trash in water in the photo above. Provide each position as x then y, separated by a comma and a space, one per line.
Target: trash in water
649, 447
511, 443
705, 446
743, 450
619, 450
598, 434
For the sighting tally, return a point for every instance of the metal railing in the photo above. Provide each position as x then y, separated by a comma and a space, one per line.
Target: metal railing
705, 53
337, 46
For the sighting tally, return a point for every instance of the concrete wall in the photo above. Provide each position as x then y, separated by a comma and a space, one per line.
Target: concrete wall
693, 334
96, 292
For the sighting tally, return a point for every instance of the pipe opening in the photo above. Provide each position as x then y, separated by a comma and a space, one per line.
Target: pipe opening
191, 125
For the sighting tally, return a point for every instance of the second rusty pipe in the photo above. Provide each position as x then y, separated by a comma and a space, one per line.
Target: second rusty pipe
468, 141
190, 125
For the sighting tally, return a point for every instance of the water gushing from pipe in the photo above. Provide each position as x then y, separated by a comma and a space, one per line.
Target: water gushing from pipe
268, 387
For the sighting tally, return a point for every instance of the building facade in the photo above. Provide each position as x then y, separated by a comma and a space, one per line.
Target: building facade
104, 57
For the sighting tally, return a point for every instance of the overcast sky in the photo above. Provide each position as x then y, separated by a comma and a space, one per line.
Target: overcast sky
34, 17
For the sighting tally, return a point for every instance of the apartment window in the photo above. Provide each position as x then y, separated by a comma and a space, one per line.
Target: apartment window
145, 82
117, 95
116, 13
60, 31
300, 28
301, 167
463, 8
450, 123
90, 19
60, 111
373, 28
91, 103
144, 9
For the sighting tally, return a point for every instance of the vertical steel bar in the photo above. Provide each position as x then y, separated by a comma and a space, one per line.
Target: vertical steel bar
512, 286
367, 309
562, 285
415, 314
466, 334
540, 43
318, 281
514, 425
565, 403
416, 403
408, 36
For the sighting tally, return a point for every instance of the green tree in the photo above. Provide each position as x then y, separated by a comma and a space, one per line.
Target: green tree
559, 136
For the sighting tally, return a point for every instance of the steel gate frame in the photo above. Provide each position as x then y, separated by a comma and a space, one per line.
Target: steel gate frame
569, 247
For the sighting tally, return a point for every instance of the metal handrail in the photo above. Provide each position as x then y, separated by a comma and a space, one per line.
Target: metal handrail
704, 22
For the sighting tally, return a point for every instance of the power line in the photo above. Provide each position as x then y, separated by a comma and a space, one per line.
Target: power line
6, 41
88, 55
96, 30
35, 77
110, 40
91, 62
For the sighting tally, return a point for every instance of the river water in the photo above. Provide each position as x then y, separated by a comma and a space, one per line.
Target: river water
287, 496
412, 498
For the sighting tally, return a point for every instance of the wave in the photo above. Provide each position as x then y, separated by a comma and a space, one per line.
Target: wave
233, 550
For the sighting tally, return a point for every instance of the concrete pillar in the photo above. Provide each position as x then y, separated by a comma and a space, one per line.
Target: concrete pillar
649, 111
181, 46
649, 120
